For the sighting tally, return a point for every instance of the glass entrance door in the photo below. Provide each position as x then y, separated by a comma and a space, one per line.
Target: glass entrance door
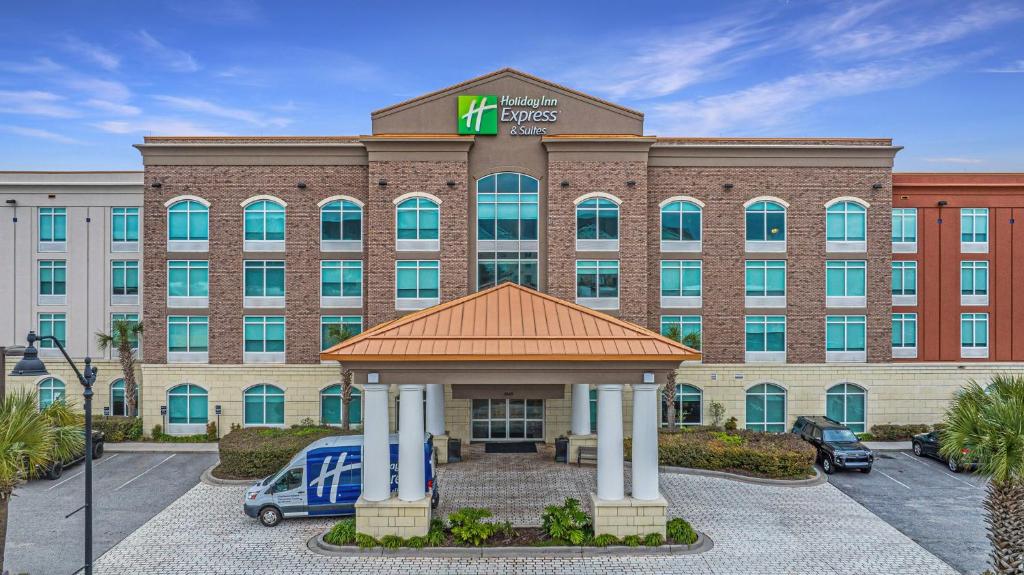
508, 419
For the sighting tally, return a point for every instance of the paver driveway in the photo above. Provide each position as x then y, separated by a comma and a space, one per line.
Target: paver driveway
757, 530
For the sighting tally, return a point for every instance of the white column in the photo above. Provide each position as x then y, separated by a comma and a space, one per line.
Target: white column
411, 473
609, 442
580, 409
435, 409
376, 447
645, 439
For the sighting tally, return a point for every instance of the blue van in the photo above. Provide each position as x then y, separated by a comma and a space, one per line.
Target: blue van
325, 479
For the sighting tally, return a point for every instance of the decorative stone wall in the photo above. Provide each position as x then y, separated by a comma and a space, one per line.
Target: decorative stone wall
629, 516
393, 517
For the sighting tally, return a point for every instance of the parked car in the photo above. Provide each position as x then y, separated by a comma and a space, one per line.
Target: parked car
325, 479
838, 447
930, 444
56, 468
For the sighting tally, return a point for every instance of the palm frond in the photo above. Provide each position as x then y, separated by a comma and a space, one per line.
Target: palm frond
26, 439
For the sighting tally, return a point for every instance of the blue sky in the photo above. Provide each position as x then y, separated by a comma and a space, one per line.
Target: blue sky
81, 81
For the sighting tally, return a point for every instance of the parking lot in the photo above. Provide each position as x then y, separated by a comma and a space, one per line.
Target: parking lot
940, 510
129, 489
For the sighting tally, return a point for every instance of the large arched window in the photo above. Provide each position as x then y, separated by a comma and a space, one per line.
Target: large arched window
330, 406
341, 220
766, 408
118, 401
188, 221
680, 222
847, 404
187, 404
264, 405
845, 221
766, 222
264, 221
417, 222
507, 242
597, 219
51, 390
688, 404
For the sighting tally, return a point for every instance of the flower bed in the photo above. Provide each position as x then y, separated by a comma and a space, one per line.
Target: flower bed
750, 453
256, 452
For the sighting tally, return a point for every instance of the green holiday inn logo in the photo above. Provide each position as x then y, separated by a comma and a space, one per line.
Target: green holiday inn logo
478, 115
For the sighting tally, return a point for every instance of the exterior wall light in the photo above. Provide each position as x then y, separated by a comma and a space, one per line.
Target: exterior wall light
565, 183
727, 186
382, 182
451, 183
631, 183
157, 184
876, 186
373, 377
301, 185
943, 203
648, 377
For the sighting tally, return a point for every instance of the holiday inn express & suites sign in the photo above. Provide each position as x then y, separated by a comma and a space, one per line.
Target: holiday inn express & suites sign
522, 115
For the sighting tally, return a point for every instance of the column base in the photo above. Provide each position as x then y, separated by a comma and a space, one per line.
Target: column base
578, 441
441, 448
629, 516
393, 517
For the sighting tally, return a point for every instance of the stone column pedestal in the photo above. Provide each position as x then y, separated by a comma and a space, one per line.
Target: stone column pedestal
393, 517
578, 441
441, 448
629, 516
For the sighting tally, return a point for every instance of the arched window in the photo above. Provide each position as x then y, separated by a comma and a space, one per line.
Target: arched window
118, 403
766, 408
766, 222
264, 405
341, 220
847, 404
507, 243
51, 390
417, 219
264, 221
681, 221
330, 406
689, 406
845, 221
188, 220
187, 404
597, 219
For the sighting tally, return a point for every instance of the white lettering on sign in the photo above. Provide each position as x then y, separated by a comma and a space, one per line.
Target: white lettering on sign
523, 110
334, 474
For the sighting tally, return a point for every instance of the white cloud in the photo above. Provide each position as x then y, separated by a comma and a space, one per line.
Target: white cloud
40, 134
157, 125
35, 103
115, 108
211, 109
101, 89
39, 65
954, 160
97, 54
1011, 68
173, 58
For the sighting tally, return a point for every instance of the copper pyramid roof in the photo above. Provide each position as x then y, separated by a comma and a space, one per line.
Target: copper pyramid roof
508, 323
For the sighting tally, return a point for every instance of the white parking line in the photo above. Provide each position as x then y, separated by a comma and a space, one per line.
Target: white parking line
97, 464
146, 471
950, 475
894, 479
913, 458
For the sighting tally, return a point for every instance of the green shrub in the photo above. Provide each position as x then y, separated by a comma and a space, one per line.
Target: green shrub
772, 455
255, 452
730, 424
505, 529
865, 436
436, 536
717, 412
343, 532
631, 540
653, 540
467, 527
117, 428
157, 431
416, 542
605, 540
364, 541
391, 541
211, 431
680, 531
567, 522
895, 432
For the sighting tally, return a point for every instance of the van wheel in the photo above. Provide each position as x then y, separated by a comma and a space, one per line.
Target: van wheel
55, 471
97, 450
827, 465
270, 516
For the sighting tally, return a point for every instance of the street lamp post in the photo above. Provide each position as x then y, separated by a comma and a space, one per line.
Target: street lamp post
31, 365
5, 352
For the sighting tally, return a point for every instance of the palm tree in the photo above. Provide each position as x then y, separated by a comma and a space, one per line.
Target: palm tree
668, 393
29, 441
989, 424
338, 333
122, 333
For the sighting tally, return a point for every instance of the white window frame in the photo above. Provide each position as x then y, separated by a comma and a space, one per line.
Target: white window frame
265, 356
847, 245
766, 301
125, 246
341, 245
973, 351
900, 244
407, 303
766, 356
682, 246
264, 301
904, 351
187, 245
677, 320
681, 301
51, 245
188, 356
51, 299
125, 299
846, 355
187, 428
264, 245
121, 316
188, 301
342, 301
247, 392
53, 318
975, 298
845, 394
418, 244
902, 267
342, 317
596, 244
847, 301
975, 247
603, 303
764, 246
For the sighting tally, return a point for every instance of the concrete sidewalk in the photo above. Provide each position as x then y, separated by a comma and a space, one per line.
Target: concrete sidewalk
887, 445
160, 447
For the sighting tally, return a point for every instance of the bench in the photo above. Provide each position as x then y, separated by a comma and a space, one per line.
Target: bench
586, 452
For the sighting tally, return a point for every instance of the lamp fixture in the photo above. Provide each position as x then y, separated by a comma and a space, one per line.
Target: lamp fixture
727, 186
451, 183
565, 183
11, 202
943, 203
876, 186
157, 184
301, 185
382, 182
631, 183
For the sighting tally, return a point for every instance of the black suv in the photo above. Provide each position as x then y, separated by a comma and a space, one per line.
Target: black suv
55, 469
838, 447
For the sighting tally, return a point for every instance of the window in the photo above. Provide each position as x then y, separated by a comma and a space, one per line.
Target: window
844, 338
53, 281
51, 390
506, 207
124, 229
124, 278
188, 220
53, 228
264, 405
680, 222
845, 283
417, 282
418, 219
846, 404
330, 406
597, 225
684, 328
765, 337
974, 335
341, 220
264, 334
133, 318
333, 327
341, 283
118, 405
264, 280
597, 283
264, 221
904, 230
904, 278
188, 279
904, 335
54, 324
187, 404
681, 278
766, 222
974, 283
766, 408
188, 334
765, 283
688, 406
974, 229
846, 222
494, 268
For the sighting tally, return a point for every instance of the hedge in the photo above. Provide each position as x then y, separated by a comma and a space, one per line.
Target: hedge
256, 452
769, 455
117, 428
893, 432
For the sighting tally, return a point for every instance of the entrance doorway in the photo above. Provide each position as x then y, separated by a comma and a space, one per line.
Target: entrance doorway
508, 419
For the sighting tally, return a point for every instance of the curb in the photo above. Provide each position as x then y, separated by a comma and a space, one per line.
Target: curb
818, 479
208, 478
158, 447
316, 544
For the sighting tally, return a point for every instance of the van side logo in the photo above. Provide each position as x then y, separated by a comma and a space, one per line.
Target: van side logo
478, 115
332, 475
